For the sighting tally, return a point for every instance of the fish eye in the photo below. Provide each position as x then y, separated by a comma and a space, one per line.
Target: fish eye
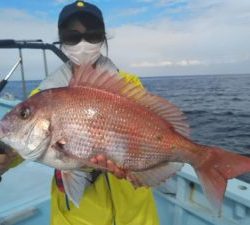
25, 113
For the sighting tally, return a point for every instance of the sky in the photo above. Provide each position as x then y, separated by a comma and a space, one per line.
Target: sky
146, 37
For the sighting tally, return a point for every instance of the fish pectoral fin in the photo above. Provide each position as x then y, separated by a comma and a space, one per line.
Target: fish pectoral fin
74, 183
59, 145
154, 176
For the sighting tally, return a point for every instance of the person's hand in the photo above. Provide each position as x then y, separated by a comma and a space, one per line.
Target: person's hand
6, 158
5, 161
111, 167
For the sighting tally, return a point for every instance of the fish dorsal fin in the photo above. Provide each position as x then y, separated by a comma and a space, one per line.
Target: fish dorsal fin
104, 78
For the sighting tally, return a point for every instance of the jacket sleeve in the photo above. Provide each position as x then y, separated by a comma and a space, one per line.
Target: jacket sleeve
129, 77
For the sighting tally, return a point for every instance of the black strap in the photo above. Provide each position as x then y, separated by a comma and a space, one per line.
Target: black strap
111, 197
67, 202
94, 175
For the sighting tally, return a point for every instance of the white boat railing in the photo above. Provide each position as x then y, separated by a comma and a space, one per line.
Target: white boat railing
182, 202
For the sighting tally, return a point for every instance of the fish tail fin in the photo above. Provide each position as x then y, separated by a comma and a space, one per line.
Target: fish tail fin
216, 169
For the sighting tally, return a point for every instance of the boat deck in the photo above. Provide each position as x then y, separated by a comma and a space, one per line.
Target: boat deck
25, 199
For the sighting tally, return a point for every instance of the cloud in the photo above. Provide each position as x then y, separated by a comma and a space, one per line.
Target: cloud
189, 63
133, 11
169, 2
160, 3
152, 64
63, 1
21, 25
212, 37
213, 40
167, 63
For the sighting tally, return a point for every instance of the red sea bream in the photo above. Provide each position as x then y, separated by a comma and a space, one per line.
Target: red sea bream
101, 113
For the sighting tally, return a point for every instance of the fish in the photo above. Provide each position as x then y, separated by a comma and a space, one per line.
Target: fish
99, 112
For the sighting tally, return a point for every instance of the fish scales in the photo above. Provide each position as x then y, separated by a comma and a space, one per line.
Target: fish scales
85, 118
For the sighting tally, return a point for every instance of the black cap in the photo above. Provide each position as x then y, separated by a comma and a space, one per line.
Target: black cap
79, 7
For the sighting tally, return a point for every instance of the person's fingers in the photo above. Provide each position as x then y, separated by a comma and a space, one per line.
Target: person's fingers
119, 173
94, 160
102, 161
110, 166
99, 160
8, 152
3, 168
113, 168
6, 159
11, 153
4, 163
2, 171
134, 180
3, 158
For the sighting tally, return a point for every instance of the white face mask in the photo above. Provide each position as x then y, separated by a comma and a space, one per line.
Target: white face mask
82, 52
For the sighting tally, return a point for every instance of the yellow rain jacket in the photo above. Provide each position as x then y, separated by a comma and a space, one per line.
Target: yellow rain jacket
109, 201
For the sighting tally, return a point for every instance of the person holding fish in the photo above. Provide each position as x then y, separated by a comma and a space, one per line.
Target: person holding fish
98, 198
89, 115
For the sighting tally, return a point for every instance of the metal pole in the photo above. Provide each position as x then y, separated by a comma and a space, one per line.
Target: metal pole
45, 63
5, 80
13, 69
22, 73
